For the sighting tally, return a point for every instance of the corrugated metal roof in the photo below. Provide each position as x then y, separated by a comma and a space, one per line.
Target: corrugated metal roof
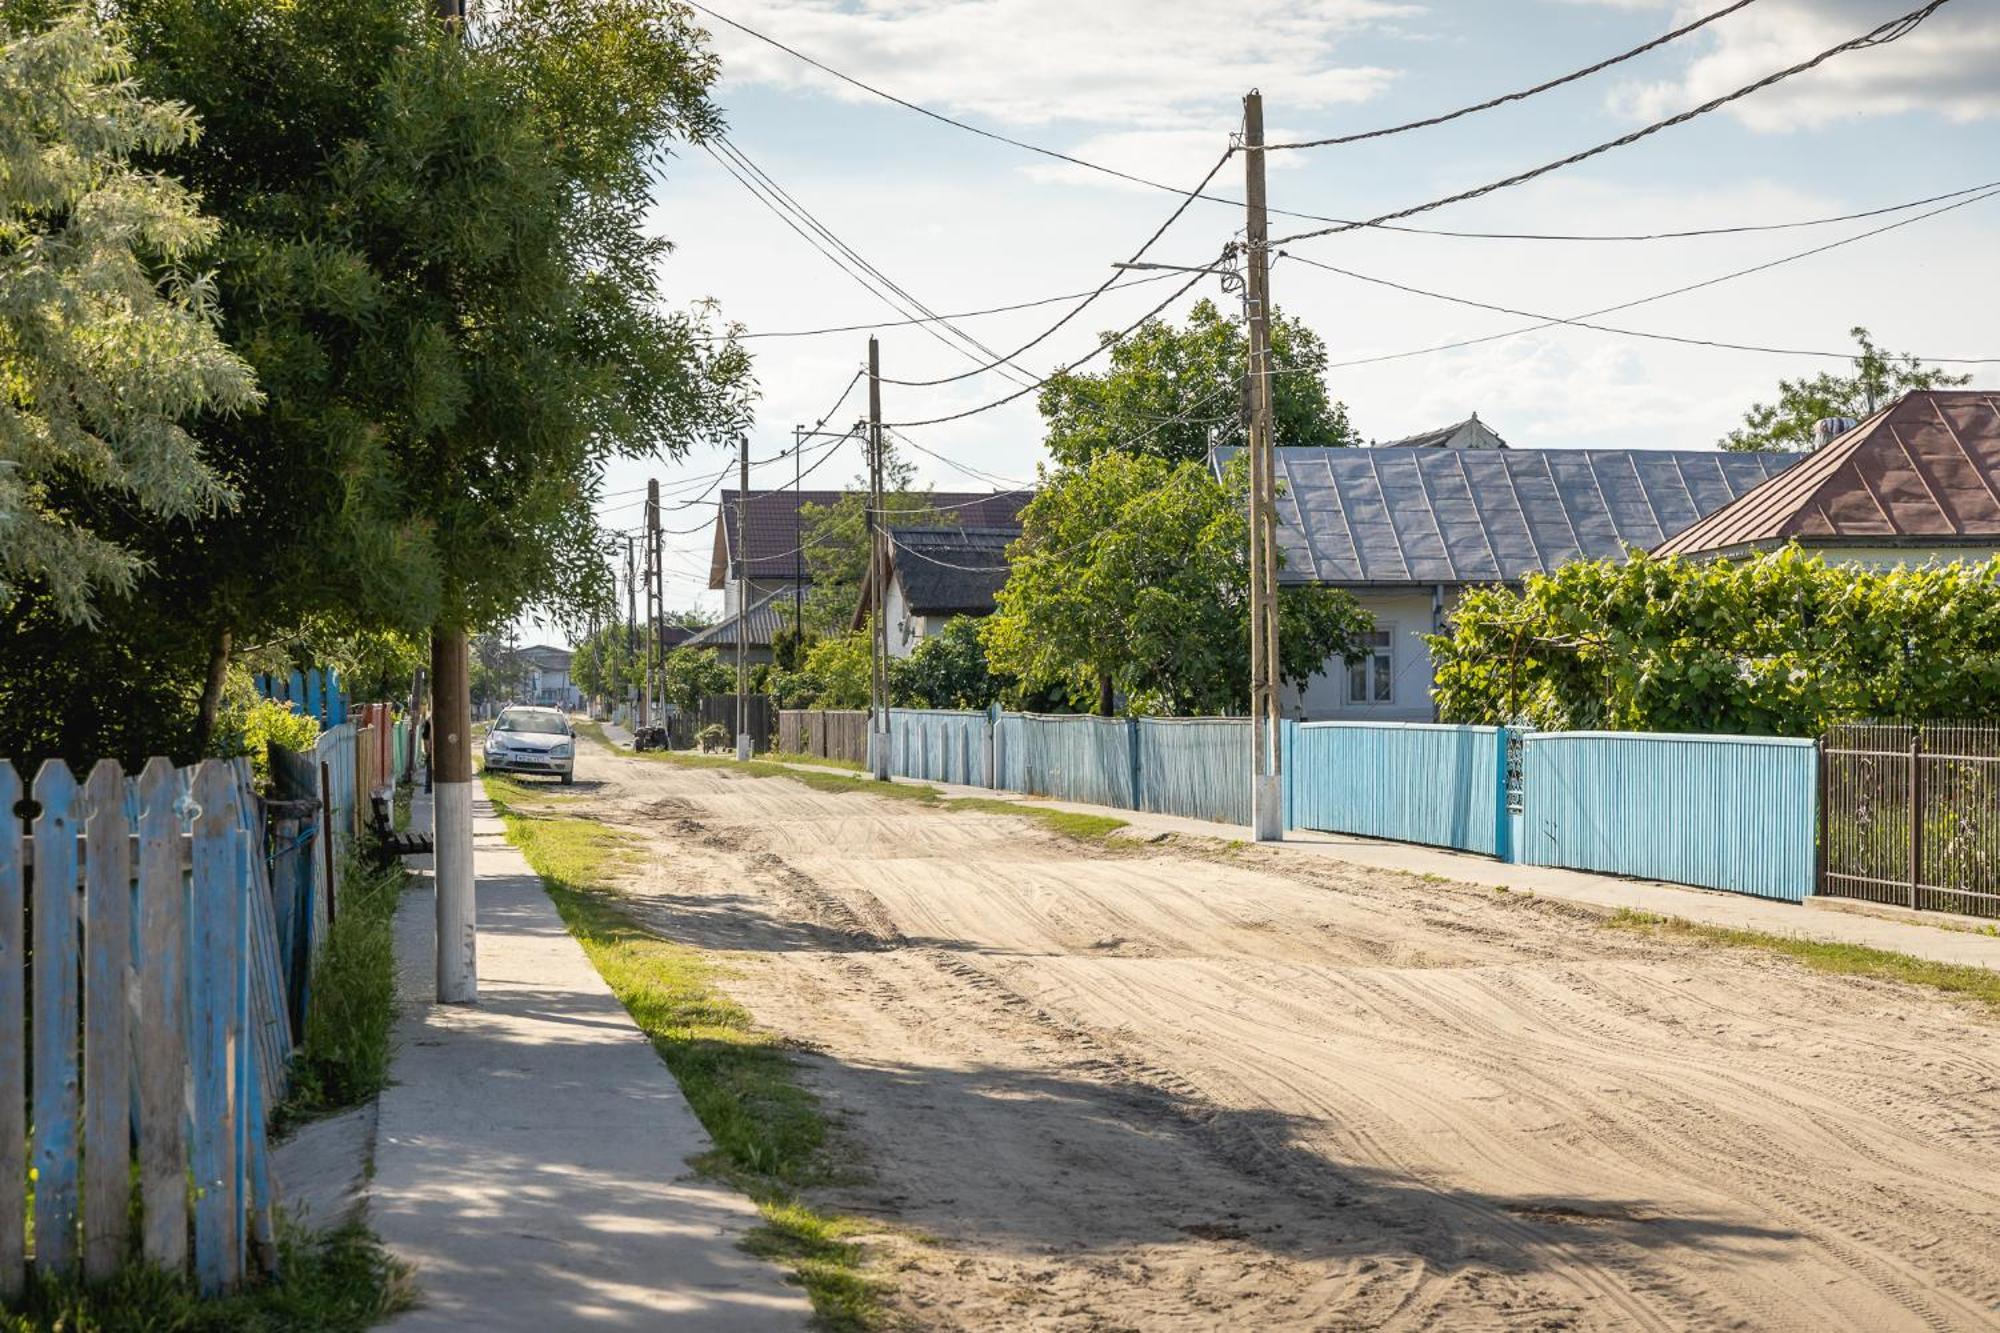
1471, 433
774, 526
1925, 469
951, 571
761, 624
1417, 515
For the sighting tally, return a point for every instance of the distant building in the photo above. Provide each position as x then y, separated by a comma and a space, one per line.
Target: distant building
545, 671
767, 616
1407, 529
1471, 433
936, 574
1918, 481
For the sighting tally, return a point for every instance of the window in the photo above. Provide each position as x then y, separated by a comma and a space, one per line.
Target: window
1372, 679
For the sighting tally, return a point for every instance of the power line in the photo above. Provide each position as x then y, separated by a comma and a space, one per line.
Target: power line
929, 319
1087, 357
1237, 204
1102, 287
1488, 105
1877, 36
731, 157
1549, 321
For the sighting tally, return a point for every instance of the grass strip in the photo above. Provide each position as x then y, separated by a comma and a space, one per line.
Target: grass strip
339, 1282
1856, 960
343, 1059
770, 1134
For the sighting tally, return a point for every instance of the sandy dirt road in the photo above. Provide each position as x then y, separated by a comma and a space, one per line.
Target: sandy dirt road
1164, 1087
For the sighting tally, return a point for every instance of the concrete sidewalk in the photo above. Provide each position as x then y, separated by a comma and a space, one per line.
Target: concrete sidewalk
1934, 936
532, 1154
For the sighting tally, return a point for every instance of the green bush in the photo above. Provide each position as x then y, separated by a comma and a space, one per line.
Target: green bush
1778, 644
246, 725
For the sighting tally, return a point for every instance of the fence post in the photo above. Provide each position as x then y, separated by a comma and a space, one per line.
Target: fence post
989, 765
13, 1037
1916, 812
1821, 790
1503, 819
1132, 762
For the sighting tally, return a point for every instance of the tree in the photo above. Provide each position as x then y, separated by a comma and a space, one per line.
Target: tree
435, 256
949, 670
835, 538
605, 664
1878, 379
108, 337
687, 674
1172, 392
1778, 644
1132, 576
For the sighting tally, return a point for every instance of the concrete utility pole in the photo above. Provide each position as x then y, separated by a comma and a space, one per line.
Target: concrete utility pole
878, 568
798, 546
631, 608
1266, 778
451, 786
654, 598
742, 597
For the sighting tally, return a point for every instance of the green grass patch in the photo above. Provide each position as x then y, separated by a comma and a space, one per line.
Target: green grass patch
770, 1134
333, 1283
788, 757
344, 1057
1974, 983
1069, 823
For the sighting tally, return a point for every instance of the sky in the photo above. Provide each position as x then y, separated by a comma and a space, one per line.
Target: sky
1154, 88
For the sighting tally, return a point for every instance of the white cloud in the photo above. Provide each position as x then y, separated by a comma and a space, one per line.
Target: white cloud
1023, 62
1949, 66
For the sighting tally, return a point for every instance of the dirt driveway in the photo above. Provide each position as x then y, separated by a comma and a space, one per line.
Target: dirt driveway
1150, 1087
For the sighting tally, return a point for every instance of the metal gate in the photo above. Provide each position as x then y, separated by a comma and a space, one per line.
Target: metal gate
1910, 815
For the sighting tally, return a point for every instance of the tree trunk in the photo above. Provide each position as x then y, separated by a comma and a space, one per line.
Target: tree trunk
211, 691
1104, 696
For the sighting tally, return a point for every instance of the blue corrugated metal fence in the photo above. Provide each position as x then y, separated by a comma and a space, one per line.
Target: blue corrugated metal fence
939, 745
1197, 767
1071, 758
1413, 782
1727, 812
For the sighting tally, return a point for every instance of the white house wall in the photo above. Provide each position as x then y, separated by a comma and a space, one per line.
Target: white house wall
1408, 615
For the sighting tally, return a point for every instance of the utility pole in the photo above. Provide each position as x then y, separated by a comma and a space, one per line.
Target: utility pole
743, 597
1266, 779
451, 787
878, 637
631, 611
798, 548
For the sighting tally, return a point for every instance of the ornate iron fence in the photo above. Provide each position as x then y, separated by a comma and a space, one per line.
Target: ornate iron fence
1910, 815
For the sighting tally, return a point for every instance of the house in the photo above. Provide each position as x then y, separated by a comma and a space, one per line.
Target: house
767, 617
1471, 433
767, 552
936, 574
1918, 481
1407, 529
545, 676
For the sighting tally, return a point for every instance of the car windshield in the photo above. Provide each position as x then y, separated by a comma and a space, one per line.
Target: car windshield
545, 724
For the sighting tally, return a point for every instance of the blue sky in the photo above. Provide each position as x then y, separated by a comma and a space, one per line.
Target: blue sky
1154, 87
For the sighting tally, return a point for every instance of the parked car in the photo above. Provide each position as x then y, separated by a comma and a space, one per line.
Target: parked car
532, 740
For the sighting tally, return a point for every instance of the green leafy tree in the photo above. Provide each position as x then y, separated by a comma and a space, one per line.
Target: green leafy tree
605, 664
949, 670
835, 538
434, 255
844, 669
108, 340
1777, 644
687, 674
1173, 392
1878, 379
1132, 577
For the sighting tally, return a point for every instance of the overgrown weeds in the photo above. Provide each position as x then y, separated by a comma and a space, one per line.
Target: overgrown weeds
331, 1283
344, 1057
770, 1133
1974, 983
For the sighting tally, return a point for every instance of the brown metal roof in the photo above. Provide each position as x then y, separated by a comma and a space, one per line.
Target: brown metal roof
774, 526
1924, 470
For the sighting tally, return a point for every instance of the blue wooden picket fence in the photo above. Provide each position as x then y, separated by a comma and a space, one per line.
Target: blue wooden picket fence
315, 693
1726, 812
151, 887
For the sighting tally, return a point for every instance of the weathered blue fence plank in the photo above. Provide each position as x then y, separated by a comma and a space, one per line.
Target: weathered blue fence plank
107, 1088
1408, 781
56, 1076
1071, 758
163, 1016
1197, 767
938, 745
13, 1040
1726, 812
213, 948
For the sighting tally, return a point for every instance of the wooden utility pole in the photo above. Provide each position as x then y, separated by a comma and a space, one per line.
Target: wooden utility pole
1266, 781
878, 563
451, 788
742, 597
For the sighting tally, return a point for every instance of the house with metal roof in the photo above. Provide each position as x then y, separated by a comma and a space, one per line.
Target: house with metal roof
761, 625
1407, 529
1471, 433
936, 574
1918, 481
767, 549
